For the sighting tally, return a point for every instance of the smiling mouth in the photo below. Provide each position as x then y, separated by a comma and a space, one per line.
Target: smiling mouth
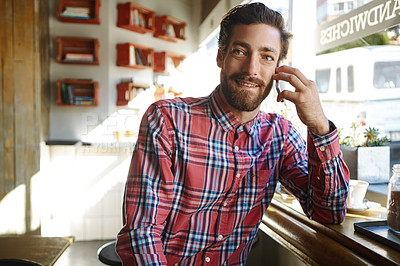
247, 84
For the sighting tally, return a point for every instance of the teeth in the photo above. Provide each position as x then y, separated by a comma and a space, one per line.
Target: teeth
247, 84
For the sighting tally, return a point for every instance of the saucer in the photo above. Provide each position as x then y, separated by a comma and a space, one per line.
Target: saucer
358, 208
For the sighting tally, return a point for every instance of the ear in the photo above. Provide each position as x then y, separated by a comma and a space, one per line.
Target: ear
220, 58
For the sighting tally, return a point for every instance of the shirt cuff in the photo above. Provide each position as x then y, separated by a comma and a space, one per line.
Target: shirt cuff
324, 148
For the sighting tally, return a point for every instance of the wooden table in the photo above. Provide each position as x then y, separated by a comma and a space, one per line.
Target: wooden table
43, 250
319, 244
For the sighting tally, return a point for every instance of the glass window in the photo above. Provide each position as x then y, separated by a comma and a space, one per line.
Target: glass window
350, 79
350, 6
339, 7
387, 75
338, 80
322, 77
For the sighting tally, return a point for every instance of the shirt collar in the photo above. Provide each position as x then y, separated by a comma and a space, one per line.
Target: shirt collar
226, 118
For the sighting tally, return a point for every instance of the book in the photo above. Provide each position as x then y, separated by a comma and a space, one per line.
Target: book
170, 30
85, 102
141, 20
135, 17
71, 57
78, 12
140, 58
64, 93
132, 55
83, 98
71, 91
74, 9
75, 16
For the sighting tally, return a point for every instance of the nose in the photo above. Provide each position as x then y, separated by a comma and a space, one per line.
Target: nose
251, 66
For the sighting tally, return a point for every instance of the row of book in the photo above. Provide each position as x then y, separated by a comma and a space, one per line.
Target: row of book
138, 19
73, 95
76, 12
73, 57
136, 57
170, 31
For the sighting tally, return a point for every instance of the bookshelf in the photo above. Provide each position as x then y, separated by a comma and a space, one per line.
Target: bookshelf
77, 50
126, 91
79, 11
77, 92
169, 29
163, 59
134, 17
135, 56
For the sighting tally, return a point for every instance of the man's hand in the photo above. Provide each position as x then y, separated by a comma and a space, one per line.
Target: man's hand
305, 97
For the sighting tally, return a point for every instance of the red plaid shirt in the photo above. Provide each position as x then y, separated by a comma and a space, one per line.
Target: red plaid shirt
200, 182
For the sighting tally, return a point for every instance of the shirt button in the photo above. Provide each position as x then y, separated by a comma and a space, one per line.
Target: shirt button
322, 148
237, 175
225, 203
220, 237
236, 148
208, 259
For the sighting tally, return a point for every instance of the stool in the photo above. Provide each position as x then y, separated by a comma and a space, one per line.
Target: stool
18, 262
107, 254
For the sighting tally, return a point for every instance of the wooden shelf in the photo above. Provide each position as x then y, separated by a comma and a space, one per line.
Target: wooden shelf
77, 92
161, 61
135, 18
79, 11
126, 91
135, 56
170, 29
77, 50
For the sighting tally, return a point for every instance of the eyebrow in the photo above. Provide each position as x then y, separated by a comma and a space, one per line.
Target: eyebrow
262, 49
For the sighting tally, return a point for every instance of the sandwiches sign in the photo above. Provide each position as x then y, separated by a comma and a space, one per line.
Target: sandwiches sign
373, 17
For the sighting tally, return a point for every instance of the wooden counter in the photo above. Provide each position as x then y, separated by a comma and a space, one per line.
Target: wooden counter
319, 244
42, 250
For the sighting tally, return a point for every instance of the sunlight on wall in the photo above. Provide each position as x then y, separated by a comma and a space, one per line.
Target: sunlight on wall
12, 212
125, 122
84, 187
200, 74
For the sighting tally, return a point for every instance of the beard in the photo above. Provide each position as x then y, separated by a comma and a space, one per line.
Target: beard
241, 99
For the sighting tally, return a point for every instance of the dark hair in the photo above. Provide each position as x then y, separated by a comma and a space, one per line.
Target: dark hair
254, 13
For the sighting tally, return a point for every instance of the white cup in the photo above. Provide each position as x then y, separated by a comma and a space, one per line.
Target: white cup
357, 191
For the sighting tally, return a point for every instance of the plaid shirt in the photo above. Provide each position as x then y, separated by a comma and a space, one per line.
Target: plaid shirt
200, 182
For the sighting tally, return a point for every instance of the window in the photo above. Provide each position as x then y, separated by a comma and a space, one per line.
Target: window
350, 6
338, 80
350, 79
322, 77
339, 7
387, 75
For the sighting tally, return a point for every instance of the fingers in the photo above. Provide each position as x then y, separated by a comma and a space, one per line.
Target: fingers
293, 76
288, 95
303, 86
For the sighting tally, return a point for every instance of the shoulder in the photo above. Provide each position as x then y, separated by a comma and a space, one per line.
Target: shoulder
275, 120
186, 105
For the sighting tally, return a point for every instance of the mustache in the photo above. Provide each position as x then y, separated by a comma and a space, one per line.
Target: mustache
245, 77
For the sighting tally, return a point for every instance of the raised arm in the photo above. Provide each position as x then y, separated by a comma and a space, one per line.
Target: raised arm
315, 173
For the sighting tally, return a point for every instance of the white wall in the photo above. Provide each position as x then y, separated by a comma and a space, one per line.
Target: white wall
81, 187
73, 123
81, 191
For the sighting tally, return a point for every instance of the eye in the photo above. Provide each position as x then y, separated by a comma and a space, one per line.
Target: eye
237, 52
268, 58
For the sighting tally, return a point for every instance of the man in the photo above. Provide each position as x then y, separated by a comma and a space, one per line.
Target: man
204, 170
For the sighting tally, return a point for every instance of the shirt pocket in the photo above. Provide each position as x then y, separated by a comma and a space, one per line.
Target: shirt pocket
255, 186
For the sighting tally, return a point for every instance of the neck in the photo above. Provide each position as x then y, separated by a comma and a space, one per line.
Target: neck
242, 116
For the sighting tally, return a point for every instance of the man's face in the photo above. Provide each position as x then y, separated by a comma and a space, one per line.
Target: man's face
248, 65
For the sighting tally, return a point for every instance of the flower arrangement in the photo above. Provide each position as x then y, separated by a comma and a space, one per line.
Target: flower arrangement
363, 137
